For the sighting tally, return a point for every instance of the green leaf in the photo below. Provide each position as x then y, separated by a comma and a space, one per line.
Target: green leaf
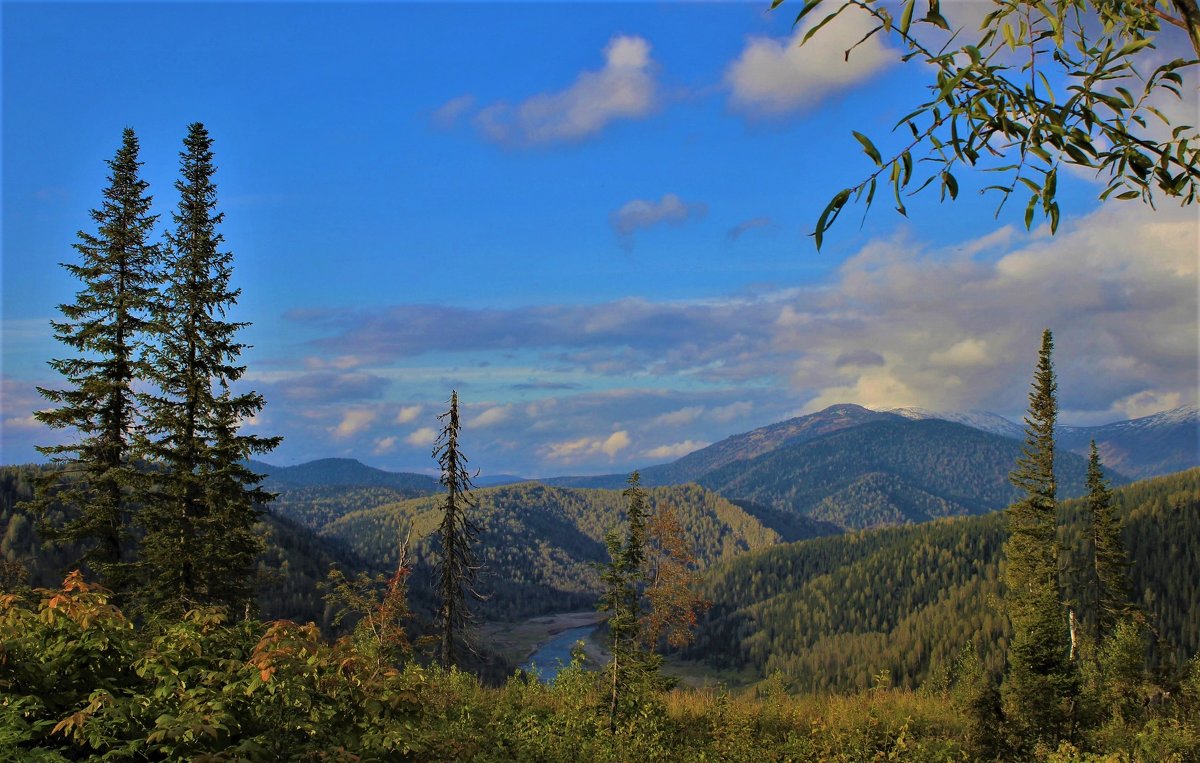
1133, 46
906, 16
808, 6
829, 215
817, 28
869, 148
1009, 37
935, 18
951, 184
1128, 195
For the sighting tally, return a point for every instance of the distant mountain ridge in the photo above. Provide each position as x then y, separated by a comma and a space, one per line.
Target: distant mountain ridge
1162, 443
888, 472
845, 466
348, 472
1148, 446
738, 447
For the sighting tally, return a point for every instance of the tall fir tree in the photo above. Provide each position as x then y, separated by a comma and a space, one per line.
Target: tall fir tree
457, 535
106, 324
622, 582
1109, 578
1041, 683
199, 545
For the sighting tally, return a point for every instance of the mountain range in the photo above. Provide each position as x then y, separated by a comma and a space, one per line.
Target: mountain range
846, 466
1161, 443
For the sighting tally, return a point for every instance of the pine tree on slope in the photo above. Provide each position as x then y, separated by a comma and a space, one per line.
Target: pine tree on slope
1041, 683
199, 545
106, 324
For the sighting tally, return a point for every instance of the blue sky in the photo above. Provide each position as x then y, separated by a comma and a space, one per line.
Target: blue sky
589, 219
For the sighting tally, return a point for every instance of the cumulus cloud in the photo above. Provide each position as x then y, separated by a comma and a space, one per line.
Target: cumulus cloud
640, 214
774, 76
1118, 288
492, 416
408, 413
680, 417
384, 445
353, 422
964, 353
422, 436
583, 447
624, 88
674, 451
1147, 402
726, 413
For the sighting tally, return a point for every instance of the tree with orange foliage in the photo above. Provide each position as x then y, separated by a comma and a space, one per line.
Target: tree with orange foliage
672, 576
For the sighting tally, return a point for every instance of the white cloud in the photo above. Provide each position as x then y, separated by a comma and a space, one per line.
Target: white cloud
422, 436
615, 443
1118, 288
408, 413
639, 214
384, 445
774, 76
23, 422
1147, 402
726, 413
353, 422
677, 450
678, 418
583, 447
492, 416
624, 89
966, 353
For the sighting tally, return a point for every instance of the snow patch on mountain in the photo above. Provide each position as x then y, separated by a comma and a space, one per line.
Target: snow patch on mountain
983, 420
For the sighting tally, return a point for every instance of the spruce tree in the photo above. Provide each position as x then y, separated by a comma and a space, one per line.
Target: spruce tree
199, 544
457, 535
106, 324
1040, 683
623, 580
1110, 596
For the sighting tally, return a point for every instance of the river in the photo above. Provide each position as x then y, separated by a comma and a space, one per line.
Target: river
556, 653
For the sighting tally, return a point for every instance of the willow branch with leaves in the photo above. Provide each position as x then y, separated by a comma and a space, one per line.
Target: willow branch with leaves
994, 106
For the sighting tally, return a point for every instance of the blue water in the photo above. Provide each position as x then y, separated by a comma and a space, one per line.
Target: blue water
555, 654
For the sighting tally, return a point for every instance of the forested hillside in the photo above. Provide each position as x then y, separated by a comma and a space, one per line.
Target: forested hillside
888, 472
286, 573
540, 545
831, 613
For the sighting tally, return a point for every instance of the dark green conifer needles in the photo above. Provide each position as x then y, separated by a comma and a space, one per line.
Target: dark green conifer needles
1041, 682
161, 459
107, 325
